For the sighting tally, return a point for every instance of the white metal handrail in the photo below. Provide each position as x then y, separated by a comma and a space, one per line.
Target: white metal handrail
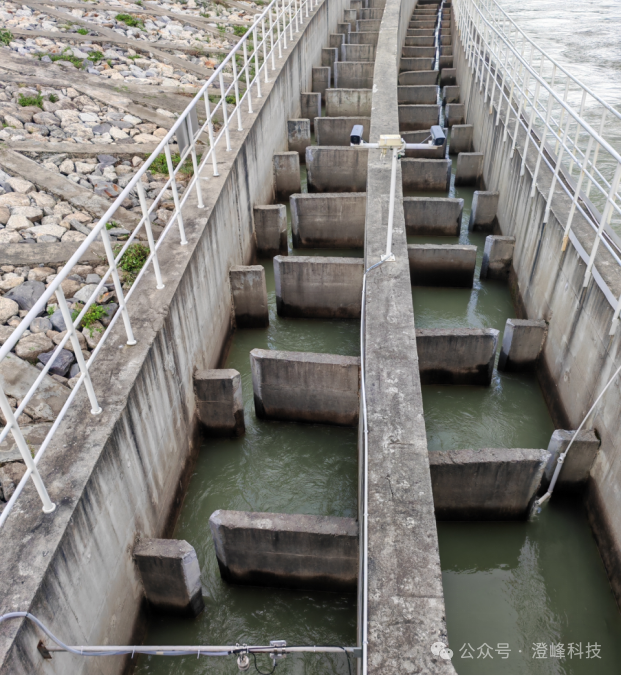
252, 57
521, 76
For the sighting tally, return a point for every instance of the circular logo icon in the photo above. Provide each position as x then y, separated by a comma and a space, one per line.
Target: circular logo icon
437, 647
446, 653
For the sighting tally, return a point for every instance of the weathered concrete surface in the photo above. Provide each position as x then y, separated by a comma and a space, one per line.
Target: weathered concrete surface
448, 77
486, 484
80, 572
469, 168
353, 75
442, 264
367, 38
310, 106
405, 588
418, 78
576, 469
497, 259
364, 52
336, 169
522, 343
286, 166
171, 576
327, 220
298, 135
579, 355
483, 215
299, 551
318, 286
430, 152
461, 140
336, 40
220, 407
417, 94
418, 52
51, 252
270, 230
416, 63
422, 174
456, 356
433, 216
330, 56
250, 298
335, 131
451, 94
306, 386
348, 103
416, 117
454, 113
320, 80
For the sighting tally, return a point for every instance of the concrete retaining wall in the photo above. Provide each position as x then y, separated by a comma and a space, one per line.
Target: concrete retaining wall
336, 169
286, 550
353, 75
80, 578
335, 131
422, 174
433, 216
442, 264
488, 483
328, 220
348, 102
413, 118
305, 386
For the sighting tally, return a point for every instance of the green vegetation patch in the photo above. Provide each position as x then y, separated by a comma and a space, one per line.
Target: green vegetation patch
130, 21
6, 37
30, 100
133, 260
82, 31
159, 166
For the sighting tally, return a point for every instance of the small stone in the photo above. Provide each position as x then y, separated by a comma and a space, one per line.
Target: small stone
85, 292
93, 279
8, 308
33, 214
110, 309
30, 347
74, 370
43, 200
84, 168
26, 294
44, 239
5, 214
93, 334
40, 325
73, 236
68, 345
58, 323
10, 476
72, 382
9, 237
62, 363
136, 161
82, 270
5, 332
42, 230
67, 167
11, 283
21, 186
14, 199
18, 222
39, 274
70, 287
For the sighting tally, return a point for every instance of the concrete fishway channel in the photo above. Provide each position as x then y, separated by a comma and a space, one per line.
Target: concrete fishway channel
332, 404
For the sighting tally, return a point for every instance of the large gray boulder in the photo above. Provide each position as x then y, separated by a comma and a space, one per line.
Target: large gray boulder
26, 294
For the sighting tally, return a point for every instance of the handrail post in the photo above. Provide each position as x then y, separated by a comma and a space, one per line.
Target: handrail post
225, 115
195, 166
171, 173
265, 49
249, 89
256, 54
210, 132
142, 198
236, 89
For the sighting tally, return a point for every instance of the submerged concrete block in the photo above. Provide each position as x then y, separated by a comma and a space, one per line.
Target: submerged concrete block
362, 52
429, 152
454, 113
250, 298
220, 406
485, 484
417, 94
336, 40
335, 131
171, 576
336, 169
522, 343
418, 78
448, 77
442, 264
461, 140
354, 75
298, 551
318, 286
270, 230
334, 221
433, 216
320, 80
484, 211
422, 174
298, 135
451, 94
456, 356
305, 386
497, 259
286, 173
469, 168
415, 63
310, 106
348, 102
578, 463
413, 118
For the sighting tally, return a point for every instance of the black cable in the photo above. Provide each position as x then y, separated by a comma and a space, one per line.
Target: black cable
263, 673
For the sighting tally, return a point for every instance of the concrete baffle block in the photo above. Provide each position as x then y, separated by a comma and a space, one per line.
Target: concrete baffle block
220, 405
451, 94
454, 113
442, 264
271, 230
417, 94
446, 62
422, 174
483, 216
310, 106
523, 340
298, 551
469, 168
415, 63
357, 53
417, 117
433, 216
425, 151
298, 135
286, 173
348, 102
418, 78
497, 259
306, 386
320, 80
578, 463
461, 140
336, 131
250, 297
318, 286
328, 220
486, 484
336, 168
354, 75
330, 56
456, 356
448, 77
336, 40
171, 576
345, 28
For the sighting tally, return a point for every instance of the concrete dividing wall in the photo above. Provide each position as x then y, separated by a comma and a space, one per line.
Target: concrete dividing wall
406, 606
579, 356
335, 131
336, 169
353, 75
416, 117
286, 550
442, 264
456, 356
418, 78
422, 174
305, 386
80, 578
328, 220
417, 94
318, 286
433, 216
348, 102
488, 483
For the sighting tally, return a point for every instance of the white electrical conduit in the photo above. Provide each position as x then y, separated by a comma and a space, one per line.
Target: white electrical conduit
562, 457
